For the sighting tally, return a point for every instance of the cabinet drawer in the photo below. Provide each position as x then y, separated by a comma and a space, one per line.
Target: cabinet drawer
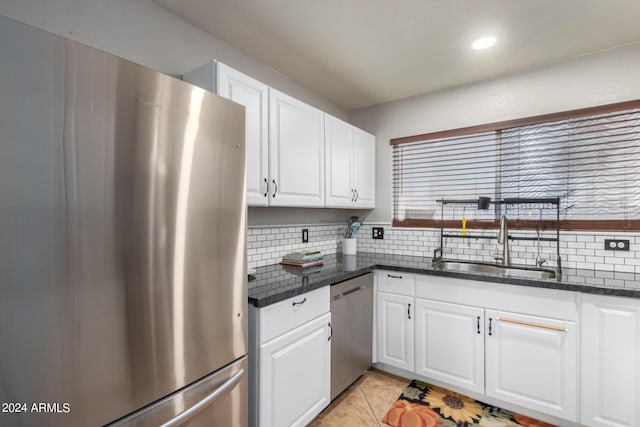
552, 303
286, 315
395, 282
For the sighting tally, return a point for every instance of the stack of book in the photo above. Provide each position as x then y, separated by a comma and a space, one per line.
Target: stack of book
308, 262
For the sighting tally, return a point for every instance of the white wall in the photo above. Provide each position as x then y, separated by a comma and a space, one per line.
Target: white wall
143, 32
601, 78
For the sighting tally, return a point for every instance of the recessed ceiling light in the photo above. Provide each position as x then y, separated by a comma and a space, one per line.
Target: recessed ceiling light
484, 43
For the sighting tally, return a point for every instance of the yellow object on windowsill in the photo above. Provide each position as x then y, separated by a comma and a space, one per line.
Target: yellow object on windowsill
464, 226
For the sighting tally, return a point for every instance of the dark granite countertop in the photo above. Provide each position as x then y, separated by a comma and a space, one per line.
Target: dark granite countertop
273, 283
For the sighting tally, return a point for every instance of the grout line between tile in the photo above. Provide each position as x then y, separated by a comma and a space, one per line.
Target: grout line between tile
373, 413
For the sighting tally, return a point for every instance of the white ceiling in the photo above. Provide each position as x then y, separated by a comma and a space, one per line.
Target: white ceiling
364, 52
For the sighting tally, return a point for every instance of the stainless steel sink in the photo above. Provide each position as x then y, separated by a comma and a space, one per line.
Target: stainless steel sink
495, 270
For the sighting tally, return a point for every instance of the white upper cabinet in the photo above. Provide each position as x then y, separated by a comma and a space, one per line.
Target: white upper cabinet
364, 155
339, 158
296, 152
254, 95
350, 171
287, 142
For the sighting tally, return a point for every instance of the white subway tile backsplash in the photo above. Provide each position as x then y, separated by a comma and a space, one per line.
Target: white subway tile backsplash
267, 245
625, 268
584, 250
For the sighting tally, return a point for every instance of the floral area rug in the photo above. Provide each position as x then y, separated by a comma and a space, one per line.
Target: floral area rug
425, 405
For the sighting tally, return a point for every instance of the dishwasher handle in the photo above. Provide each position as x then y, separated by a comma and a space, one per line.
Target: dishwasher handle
352, 290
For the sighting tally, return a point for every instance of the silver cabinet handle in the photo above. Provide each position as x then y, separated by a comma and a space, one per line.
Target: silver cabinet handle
183, 416
275, 190
353, 194
394, 277
330, 332
357, 195
266, 182
490, 320
478, 324
299, 303
409, 311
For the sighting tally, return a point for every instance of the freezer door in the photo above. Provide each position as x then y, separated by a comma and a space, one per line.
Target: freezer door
123, 222
220, 399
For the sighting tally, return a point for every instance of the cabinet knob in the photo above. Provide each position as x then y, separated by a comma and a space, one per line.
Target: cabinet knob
394, 277
330, 331
275, 189
478, 323
266, 182
357, 195
409, 311
490, 320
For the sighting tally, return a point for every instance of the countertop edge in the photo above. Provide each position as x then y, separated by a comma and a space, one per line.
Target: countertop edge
341, 277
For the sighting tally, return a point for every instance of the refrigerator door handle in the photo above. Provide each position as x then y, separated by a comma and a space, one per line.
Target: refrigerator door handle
185, 415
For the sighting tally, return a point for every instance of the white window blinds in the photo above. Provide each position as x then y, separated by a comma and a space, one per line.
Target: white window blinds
592, 162
455, 168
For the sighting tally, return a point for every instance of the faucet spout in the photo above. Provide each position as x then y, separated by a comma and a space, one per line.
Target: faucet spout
503, 241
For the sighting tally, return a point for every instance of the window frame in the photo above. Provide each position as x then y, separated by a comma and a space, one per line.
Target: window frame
629, 225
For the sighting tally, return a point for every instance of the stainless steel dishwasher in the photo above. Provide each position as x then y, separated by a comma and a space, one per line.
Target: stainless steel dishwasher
352, 328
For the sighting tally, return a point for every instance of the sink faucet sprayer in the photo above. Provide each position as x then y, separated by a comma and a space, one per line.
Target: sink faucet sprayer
503, 242
539, 259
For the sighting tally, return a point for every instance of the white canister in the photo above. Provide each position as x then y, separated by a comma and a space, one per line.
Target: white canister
349, 245
349, 262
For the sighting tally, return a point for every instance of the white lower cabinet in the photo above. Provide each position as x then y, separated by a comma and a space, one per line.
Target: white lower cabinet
395, 330
449, 343
610, 361
515, 344
290, 360
531, 361
296, 369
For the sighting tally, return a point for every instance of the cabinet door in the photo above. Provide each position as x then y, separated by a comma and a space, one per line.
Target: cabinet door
610, 361
450, 343
296, 152
340, 192
295, 375
254, 96
395, 330
531, 361
364, 145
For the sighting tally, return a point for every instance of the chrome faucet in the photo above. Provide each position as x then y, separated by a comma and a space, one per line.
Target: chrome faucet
503, 242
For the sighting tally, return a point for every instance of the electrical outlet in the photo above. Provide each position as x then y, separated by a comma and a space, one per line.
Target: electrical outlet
305, 235
616, 245
377, 232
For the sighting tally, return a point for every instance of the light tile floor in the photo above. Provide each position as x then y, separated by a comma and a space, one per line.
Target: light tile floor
364, 403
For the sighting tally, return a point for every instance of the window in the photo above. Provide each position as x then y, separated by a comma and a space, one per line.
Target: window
589, 158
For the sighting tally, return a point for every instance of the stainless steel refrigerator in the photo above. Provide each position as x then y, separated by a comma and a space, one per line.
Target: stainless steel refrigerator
122, 242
